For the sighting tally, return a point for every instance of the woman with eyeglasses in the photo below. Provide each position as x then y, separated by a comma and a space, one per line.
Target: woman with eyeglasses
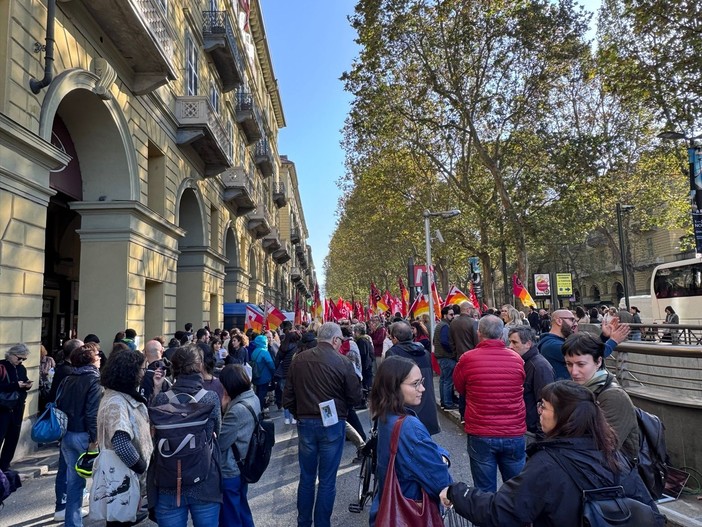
579, 446
420, 464
14, 386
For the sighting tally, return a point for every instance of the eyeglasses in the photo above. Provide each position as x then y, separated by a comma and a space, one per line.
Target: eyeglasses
416, 384
20, 359
540, 407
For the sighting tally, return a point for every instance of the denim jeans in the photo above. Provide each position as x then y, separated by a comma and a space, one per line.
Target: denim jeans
446, 381
235, 510
60, 484
262, 393
73, 445
204, 513
281, 386
488, 453
319, 453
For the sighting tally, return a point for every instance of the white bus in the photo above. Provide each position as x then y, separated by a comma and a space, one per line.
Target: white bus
678, 285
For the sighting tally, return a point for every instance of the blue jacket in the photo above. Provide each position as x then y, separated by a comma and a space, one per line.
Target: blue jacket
550, 346
263, 360
418, 463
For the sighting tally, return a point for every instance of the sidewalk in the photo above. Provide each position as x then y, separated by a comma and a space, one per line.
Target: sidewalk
685, 512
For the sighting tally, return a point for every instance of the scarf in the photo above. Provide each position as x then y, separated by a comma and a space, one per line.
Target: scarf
597, 380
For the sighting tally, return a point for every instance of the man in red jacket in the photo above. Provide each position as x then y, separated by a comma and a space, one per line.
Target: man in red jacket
377, 333
491, 377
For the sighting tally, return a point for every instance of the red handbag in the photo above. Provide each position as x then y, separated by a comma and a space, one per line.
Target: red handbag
396, 510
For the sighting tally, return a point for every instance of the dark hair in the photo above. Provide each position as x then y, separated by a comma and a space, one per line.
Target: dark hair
130, 333
446, 309
178, 335
209, 360
584, 344
187, 359
119, 336
346, 331
188, 326
91, 338
84, 355
201, 333
174, 343
215, 340
579, 312
234, 379
670, 309
577, 414
525, 333
386, 395
122, 368
594, 315
421, 329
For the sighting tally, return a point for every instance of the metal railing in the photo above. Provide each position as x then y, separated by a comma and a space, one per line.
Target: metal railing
155, 19
217, 23
245, 102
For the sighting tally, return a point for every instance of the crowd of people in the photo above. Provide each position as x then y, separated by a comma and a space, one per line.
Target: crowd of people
533, 394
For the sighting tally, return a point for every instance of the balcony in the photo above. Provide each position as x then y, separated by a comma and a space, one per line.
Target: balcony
280, 196
141, 33
283, 254
200, 127
220, 42
248, 116
300, 251
263, 157
295, 236
258, 223
271, 241
239, 191
295, 275
302, 262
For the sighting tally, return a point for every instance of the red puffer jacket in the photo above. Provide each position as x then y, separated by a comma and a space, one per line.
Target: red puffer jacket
491, 377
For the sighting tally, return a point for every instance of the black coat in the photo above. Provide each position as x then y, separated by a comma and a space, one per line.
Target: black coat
80, 395
426, 411
539, 373
543, 493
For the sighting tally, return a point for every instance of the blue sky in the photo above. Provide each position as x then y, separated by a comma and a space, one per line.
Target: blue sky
311, 45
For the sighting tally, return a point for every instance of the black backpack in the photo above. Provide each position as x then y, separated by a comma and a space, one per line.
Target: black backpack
261, 444
607, 506
653, 460
182, 449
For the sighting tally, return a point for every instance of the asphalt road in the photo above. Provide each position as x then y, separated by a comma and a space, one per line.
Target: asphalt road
272, 499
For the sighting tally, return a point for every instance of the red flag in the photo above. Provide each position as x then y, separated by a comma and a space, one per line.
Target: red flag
473, 296
420, 306
328, 310
274, 317
437, 301
317, 307
298, 312
404, 297
246, 7
521, 292
375, 297
383, 302
456, 296
254, 319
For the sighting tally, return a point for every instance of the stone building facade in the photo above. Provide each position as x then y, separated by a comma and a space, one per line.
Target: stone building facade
142, 186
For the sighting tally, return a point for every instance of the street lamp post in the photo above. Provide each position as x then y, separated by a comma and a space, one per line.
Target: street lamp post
430, 275
622, 251
694, 156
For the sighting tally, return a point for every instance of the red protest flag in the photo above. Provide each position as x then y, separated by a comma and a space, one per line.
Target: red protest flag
404, 297
274, 316
253, 320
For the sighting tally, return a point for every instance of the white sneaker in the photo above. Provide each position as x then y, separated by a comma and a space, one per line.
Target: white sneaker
287, 421
60, 516
293, 421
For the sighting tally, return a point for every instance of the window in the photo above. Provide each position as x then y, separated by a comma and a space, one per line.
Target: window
649, 247
214, 97
191, 59
164, 5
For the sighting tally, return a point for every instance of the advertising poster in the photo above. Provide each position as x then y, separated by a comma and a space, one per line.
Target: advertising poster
542, 285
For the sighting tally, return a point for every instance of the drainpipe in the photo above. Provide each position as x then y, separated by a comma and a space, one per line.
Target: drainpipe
34, 84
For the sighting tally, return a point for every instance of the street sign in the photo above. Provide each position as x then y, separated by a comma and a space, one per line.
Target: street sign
542, 285
419, 270
564, 284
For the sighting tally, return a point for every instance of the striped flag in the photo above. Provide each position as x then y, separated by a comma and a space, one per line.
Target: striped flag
254, 319
274, 316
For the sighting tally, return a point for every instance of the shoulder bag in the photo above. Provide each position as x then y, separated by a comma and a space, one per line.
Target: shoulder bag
8, 400
397, 510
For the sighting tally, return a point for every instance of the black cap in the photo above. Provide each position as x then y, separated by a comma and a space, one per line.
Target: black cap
91, 338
